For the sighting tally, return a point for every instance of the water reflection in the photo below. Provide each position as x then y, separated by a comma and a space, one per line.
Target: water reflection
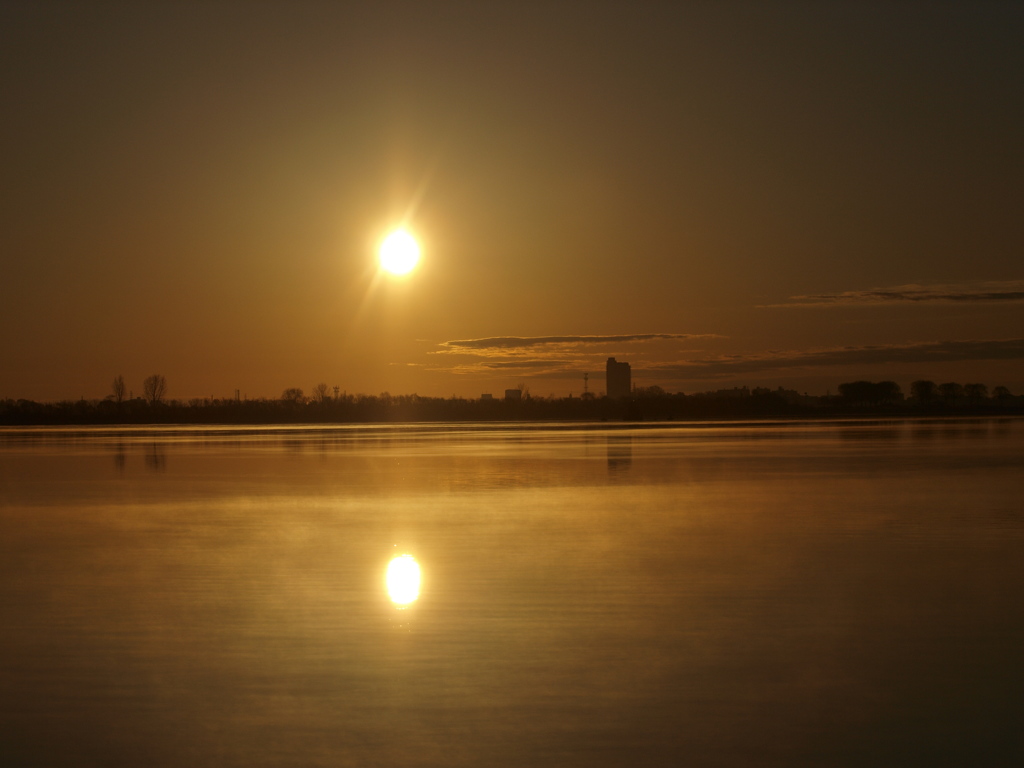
738, 594
403, 580
156, 458
120, 456
620, 452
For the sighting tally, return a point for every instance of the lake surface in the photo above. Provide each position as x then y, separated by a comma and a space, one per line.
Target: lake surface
770, 594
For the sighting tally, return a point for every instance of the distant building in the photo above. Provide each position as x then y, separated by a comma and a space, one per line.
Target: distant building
513, 394
487, 396
618, 379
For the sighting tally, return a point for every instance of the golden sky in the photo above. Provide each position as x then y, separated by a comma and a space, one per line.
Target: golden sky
721, 194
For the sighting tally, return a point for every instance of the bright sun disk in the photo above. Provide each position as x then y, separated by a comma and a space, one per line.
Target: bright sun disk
403, 580
399, 252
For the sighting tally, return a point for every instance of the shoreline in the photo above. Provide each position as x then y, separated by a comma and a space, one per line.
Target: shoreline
230, 429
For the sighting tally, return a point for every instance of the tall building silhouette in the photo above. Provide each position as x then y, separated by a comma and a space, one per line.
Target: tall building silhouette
617, 379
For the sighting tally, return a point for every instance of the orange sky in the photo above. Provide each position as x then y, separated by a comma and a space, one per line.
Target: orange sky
719, 194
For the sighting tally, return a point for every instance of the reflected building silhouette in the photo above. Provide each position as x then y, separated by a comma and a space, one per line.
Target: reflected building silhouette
620, 453
617, 379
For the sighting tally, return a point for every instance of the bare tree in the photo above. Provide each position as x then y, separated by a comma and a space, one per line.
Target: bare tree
118, 388
320, 394
154, 388
293, 395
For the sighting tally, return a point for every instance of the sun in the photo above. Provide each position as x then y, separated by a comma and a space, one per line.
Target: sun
403, 580
399, 253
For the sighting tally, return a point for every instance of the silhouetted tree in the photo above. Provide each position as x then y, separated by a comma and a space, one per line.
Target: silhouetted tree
870, 393
293, 395
925, 391
652, 391
855, 392
951, 391
888, 392
118, 389
975, 392
154, 388
320, 395
1001, 393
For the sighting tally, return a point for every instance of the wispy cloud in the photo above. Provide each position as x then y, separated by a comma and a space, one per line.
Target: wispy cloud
528, 342
514, 363
567, 366
524, 368
555, 357
924, 352
978, 293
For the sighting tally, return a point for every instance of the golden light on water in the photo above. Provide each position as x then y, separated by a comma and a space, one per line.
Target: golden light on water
403, 580
399, 252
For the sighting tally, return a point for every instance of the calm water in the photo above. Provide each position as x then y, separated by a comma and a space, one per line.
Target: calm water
720, 595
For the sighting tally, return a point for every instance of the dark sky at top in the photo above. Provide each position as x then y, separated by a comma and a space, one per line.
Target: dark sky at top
719, 193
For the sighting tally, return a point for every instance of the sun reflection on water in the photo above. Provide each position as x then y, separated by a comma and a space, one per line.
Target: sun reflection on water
403, 580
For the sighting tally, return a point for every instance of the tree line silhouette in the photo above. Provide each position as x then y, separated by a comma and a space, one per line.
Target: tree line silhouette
330, 405
923, 393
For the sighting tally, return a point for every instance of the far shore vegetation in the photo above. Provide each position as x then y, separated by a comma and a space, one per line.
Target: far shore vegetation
329, 405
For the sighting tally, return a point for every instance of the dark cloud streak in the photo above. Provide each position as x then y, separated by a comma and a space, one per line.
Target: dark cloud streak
522, 342
926, 352
979, 293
